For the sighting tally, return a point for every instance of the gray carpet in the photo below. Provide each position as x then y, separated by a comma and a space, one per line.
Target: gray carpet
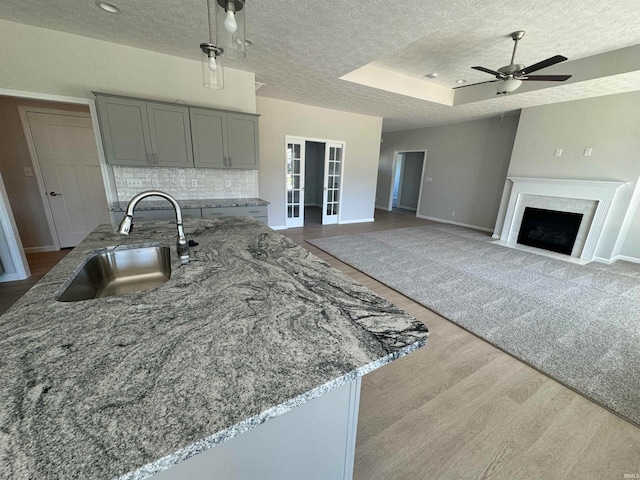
577, 324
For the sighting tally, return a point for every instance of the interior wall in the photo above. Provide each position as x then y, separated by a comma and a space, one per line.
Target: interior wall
360, 133
314, 173
609, 125
411, 178
22, 190
467, 161
75, 66
631, 247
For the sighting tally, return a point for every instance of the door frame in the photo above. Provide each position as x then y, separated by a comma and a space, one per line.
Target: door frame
396, 154
107, 172
298, 138
35, 161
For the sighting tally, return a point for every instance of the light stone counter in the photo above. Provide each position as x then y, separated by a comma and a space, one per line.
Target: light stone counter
130, 385
203, 203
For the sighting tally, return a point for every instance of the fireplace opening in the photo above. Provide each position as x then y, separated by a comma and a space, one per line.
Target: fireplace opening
549, 229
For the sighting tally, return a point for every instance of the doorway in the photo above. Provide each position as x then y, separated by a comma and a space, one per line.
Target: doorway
407, 181
66, 164
313, 171
29, 203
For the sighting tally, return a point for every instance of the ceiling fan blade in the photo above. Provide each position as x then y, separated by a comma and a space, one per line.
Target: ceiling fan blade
491, 72
540, 65
474, 84
547, 78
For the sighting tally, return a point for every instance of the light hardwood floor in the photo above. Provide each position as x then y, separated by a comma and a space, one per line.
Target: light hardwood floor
459, 408
39, 264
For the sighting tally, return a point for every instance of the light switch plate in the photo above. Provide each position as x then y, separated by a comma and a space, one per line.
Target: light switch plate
28, 172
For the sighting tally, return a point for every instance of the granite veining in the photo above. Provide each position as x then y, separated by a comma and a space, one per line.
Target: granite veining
202, 203
126, 386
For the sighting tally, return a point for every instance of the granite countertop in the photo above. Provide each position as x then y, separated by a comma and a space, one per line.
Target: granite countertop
130, 385
201, 203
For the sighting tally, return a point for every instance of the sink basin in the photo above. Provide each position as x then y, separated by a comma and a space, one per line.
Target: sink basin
116, 272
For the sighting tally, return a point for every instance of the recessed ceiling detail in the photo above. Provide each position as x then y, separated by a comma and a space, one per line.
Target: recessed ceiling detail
302, 49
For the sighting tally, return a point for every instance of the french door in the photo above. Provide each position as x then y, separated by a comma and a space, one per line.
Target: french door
295, 182
331, 186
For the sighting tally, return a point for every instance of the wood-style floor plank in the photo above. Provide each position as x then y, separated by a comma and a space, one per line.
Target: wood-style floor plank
39, 264
461, 409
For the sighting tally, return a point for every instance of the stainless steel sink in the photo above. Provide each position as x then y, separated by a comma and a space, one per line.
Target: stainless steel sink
119, 271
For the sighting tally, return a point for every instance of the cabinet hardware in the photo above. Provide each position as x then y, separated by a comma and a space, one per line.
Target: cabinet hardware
54, 194
148, 158
155, 158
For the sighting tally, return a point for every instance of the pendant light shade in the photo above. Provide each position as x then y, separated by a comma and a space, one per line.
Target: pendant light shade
230, 28
212, 69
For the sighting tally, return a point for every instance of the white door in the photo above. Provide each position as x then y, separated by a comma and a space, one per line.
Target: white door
332, 176
294, 182
66, 153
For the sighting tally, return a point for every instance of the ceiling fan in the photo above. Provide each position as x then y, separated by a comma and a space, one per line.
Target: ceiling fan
512, 75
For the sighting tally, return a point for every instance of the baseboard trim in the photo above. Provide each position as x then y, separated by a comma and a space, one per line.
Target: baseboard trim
441, 220
48, 248
278, 227
386, 209
10, 277
626, 258
495, 236
408, 208
359, 220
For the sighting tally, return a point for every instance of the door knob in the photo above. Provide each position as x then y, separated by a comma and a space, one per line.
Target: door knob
54, 194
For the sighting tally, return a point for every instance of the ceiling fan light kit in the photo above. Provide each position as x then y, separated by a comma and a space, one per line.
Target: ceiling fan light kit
510, 77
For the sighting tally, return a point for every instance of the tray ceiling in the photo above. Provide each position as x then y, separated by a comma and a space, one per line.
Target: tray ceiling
301, 49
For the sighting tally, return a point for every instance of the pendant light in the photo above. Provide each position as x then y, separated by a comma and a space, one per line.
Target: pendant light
230, 28
212, 70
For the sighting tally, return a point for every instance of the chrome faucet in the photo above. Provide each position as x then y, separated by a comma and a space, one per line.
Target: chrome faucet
125, 224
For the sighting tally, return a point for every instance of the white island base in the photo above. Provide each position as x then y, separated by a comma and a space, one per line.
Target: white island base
315, 441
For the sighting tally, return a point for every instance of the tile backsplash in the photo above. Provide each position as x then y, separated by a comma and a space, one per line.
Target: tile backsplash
186, 183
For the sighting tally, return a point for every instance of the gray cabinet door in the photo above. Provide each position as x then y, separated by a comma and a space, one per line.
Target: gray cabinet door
242, 131
125, 131
209, 135
170, 135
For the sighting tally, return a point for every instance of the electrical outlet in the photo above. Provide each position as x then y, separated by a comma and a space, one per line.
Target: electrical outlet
135, 182
194, 183
588, 151
453, 213
558, 152
155, 183
227, 183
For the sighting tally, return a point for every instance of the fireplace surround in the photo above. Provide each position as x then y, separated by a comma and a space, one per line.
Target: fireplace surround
591, 198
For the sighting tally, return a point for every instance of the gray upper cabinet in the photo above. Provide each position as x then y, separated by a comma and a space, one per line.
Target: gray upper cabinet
242, 130
137, 133
170, 135
156, 134
125, 131
224, 139
209, 135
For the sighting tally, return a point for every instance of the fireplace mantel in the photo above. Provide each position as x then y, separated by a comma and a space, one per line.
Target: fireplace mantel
601, 191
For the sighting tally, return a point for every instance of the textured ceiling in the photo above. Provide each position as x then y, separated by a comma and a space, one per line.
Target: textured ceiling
301, 48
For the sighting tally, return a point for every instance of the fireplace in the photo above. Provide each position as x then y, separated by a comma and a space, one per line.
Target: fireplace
549, 229
591, 198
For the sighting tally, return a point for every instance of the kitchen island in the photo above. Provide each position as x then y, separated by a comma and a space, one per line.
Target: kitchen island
131, 385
